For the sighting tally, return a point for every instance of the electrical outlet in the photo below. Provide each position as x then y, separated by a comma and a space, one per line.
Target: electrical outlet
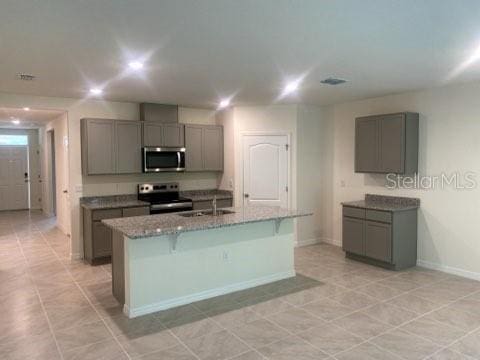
230, 184
225, 256
342, 183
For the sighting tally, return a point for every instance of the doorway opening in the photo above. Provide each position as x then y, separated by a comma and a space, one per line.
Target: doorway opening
14, 172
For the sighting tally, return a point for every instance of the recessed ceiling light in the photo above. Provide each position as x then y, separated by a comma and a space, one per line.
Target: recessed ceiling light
26, 108
16, 121
224, 103
291, 87
135, 65
96, 91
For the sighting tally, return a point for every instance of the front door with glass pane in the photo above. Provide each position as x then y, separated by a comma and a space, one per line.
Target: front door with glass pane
13, 177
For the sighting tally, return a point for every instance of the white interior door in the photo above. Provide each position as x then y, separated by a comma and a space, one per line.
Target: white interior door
265, 170
13, 177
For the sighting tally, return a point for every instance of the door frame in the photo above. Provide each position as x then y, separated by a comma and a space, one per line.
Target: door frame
243, 135
51, 170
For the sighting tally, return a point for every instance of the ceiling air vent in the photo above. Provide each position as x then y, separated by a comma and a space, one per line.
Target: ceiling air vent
333, 81
25, 77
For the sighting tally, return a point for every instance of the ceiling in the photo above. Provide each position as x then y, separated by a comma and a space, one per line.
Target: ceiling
197, 52
30, 119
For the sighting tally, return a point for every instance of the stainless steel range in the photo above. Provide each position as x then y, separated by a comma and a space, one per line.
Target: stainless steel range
163, 198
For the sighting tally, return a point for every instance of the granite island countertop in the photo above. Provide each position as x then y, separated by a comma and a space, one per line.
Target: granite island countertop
111, 202
166, 224
385, 203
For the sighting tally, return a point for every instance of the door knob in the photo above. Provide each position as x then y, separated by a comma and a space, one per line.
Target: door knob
246, 195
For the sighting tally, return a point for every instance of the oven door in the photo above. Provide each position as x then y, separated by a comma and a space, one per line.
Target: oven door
157, 159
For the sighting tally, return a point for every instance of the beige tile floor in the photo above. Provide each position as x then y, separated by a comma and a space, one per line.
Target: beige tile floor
55, 308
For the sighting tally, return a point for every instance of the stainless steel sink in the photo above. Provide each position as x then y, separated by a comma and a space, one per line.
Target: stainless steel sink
206, 213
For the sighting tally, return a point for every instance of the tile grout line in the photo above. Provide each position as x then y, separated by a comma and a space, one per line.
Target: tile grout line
88, 300
399, 307
38, 295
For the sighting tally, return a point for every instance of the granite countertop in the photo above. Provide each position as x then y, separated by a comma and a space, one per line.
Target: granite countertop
206, 195
111, 202
167, 224
385, 203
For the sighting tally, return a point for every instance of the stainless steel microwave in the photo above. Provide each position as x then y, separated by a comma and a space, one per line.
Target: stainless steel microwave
157, 159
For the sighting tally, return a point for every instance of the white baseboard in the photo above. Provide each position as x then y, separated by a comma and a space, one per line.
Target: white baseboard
183, 300
449, 269
307, 242
332, 242
76, 256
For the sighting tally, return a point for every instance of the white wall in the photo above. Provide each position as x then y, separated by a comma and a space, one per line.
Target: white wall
35, 188
449, 143
314, 171
227, 178
61, 139
308, 123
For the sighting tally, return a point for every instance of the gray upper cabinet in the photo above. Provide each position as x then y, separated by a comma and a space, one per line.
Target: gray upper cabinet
98, 146
128, 147
213, 148
204, 148
159, 113
111, 146
158, 134
366, 152
193, 148
387, 143
173, 135
152, 134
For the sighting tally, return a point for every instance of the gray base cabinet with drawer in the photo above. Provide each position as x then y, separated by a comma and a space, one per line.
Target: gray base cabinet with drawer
383, 238
97, 238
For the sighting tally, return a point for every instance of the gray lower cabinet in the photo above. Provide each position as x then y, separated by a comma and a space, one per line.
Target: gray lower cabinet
168, 135
354, 235
97, 238
378, 241
111, 146
384, 238
387, 143
207, 204
204, 148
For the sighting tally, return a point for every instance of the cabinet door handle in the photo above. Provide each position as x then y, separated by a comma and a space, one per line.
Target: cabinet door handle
246, 195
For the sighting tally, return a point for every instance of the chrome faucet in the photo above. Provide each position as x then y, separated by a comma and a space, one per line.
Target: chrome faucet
214, 205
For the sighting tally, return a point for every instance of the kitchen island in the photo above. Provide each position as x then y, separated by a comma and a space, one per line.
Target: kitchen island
166, 260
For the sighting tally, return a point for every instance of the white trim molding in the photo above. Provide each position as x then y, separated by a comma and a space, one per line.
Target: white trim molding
308, 242
183, 300
331, 242
449, 269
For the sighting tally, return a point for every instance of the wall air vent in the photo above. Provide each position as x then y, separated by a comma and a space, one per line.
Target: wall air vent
333, 81
25, 77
